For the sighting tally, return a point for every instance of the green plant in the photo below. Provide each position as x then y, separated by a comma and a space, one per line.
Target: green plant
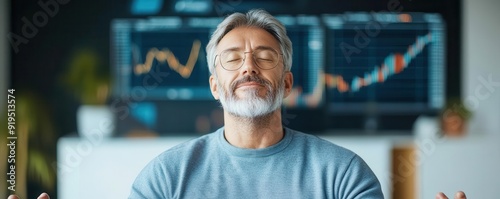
454, 118
35, 145
456, 106
86, 78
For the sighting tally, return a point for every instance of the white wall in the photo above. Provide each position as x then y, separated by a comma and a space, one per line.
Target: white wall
481, 58
472, 164
468, 164
4, 47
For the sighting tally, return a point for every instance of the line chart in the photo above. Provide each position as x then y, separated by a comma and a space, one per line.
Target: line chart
166, 55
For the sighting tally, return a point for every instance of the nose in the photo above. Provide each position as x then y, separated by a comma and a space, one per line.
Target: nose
249, 65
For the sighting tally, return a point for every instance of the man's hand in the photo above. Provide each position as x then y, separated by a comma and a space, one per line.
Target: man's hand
458, 195
42, 196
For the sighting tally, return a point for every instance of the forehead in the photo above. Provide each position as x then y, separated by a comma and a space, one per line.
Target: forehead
247, 38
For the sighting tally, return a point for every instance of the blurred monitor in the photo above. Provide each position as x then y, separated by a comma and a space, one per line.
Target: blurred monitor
161, 58
384, 65
353, 70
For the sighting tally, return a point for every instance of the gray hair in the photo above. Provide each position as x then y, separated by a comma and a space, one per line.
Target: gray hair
253, 18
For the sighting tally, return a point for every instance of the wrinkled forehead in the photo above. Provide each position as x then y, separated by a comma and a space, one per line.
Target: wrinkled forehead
247, 38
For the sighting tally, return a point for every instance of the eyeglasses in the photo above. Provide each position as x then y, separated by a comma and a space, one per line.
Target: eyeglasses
264, 58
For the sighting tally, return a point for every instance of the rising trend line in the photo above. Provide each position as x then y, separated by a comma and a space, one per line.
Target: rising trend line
393, 64
172, 61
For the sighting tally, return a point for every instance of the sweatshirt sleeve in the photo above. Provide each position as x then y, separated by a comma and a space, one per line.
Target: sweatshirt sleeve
359, 182
151, 182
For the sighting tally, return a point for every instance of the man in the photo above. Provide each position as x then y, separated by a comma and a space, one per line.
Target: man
253, 155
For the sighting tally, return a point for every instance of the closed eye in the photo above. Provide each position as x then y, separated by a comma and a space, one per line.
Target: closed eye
263, 59
233, 60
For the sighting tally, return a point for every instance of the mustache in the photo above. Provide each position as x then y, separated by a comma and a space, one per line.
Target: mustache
250, 78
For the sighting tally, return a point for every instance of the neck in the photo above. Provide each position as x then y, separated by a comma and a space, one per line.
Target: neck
254, 133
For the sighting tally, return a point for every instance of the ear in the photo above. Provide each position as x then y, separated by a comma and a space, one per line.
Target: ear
288, 83
213, 86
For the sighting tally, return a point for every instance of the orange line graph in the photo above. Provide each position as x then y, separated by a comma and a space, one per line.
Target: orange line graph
172, 61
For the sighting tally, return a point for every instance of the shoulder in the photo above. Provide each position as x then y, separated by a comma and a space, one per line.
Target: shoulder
319, 146
167, 164
160, 176
189, 149
325, 154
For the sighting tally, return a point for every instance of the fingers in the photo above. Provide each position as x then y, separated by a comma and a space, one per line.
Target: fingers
460, 195
43, 196
441, 195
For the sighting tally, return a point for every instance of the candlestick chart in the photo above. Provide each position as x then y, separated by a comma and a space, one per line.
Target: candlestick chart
396, 66
392, 65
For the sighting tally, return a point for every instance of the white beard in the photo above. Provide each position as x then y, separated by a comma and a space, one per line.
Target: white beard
253, 106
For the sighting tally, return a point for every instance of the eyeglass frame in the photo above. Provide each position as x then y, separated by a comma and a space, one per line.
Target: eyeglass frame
243, 63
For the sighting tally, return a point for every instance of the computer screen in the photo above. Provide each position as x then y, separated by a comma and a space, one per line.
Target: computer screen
383, 70
393, 62
162, 58
350, 70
